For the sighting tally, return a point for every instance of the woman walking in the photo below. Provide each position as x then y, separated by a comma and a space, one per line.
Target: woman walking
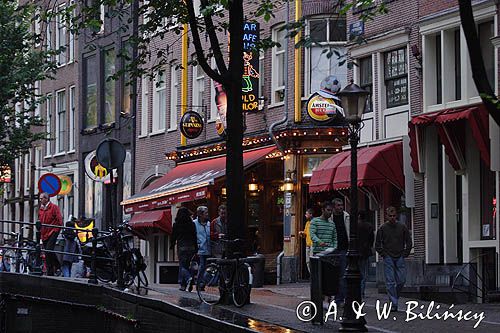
184, 234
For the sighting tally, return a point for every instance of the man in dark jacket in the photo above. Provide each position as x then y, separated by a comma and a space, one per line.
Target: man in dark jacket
393, 244
366, 238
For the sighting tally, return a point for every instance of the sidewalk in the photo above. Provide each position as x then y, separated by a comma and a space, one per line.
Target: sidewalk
277, 305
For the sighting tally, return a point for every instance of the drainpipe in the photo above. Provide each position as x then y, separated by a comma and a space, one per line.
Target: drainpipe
278, 267
285, 116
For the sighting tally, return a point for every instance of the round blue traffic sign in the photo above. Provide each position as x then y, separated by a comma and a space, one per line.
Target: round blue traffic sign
49, 183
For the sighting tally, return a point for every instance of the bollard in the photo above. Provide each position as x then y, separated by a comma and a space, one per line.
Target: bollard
316, 289
93, 274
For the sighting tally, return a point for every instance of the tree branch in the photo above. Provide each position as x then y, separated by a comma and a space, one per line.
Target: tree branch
214, 41
198, 47
476, 59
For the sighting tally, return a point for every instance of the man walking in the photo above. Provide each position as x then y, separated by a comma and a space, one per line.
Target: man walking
49, 213
393, 244
203, 236
323, 234
307, 235
340, 218
218, 230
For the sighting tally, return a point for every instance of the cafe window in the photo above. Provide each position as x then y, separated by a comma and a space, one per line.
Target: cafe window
396, 77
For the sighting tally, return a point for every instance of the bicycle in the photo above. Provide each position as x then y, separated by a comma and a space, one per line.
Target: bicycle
117, 257
22, 259
226, 276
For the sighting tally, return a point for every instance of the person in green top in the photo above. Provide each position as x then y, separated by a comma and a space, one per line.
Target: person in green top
322, 231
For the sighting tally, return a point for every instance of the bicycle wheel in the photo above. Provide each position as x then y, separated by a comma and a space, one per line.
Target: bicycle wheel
141, 276
210, 284
241, 285
9, 260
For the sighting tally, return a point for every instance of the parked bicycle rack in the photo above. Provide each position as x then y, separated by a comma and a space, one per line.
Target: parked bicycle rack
38, 250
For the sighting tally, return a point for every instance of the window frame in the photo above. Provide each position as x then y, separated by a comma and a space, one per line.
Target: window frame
72, 113
387, 79
61, 36
48, 125
325, 44
174, 92
156, 116
60, 114
85, 94
198, 82
276, 89
145, 82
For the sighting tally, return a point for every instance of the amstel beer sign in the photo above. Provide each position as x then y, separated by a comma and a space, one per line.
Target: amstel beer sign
323, 109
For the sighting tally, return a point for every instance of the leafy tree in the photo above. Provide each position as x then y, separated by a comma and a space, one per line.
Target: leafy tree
22, 64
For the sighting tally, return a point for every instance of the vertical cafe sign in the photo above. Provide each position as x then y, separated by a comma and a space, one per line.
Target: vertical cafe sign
250, 87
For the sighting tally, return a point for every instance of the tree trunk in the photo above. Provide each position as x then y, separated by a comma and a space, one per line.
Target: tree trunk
476, 59
234, 155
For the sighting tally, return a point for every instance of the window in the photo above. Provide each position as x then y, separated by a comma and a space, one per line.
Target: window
439, 75
60, 121
48, 36
71, 44
37, 98
61, 37
327, 54
90, 95
457, 65
159, 103
109, 86
48, 124
72, 107
198, 87
144, 105
366, 81
102, 16
126, 85
278, 64
174, 92
396, 78
485, 33
37, 29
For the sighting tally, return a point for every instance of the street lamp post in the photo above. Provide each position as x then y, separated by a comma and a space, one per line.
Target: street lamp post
353, 102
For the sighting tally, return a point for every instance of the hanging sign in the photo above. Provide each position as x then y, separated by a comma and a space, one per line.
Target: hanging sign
50, 184
250, 87
94, 170
191, 125
323, 109
66, 185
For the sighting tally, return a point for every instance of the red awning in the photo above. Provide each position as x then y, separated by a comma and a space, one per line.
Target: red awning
187, 182
377, 165
322, 177
450, 126
157, 219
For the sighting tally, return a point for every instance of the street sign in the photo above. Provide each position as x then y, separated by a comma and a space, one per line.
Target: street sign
66, 185
110, 153
49, 183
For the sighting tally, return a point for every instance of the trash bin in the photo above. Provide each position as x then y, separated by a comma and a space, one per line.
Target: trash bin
330, 272
258, 263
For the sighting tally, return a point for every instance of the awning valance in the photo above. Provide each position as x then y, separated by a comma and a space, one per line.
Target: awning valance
377, 165
155, 219
451, 127
187, 182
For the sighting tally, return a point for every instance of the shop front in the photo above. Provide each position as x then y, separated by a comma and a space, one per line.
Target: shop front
202, 182
451, 152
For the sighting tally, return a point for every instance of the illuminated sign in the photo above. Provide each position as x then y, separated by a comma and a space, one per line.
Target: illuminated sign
191, 125
94, 170
5, 175
66, 185
250, 87
322, 109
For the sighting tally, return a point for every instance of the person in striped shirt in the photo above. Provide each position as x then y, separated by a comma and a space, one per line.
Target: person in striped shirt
322, 231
